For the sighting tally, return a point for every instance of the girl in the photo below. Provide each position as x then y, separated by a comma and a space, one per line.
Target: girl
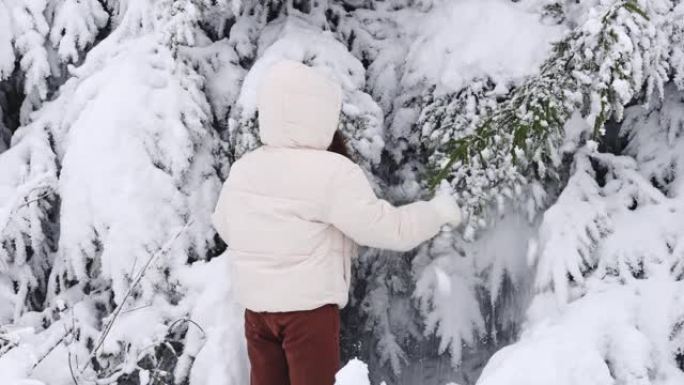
293, 215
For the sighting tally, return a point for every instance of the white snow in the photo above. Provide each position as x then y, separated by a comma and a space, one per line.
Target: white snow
614, 335
469, 39
222, 322
354, 372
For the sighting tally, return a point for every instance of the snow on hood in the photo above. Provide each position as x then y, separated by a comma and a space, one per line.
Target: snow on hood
298, 106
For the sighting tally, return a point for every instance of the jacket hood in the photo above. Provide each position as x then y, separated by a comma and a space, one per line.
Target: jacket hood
298, 106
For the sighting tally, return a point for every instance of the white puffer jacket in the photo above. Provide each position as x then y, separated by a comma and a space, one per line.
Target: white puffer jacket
293, 213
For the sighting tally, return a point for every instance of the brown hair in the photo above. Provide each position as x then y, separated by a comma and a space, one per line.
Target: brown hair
339, 144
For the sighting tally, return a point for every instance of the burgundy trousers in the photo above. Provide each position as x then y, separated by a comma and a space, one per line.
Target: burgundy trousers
293, 348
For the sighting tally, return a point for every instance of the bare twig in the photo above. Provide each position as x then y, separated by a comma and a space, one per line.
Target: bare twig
28, 202
188, 320
47, 353
136, 308
71, 369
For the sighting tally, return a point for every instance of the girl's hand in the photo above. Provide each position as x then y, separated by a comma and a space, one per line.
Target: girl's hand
446, 205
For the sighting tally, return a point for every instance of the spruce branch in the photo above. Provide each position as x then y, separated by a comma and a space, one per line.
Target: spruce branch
527, 128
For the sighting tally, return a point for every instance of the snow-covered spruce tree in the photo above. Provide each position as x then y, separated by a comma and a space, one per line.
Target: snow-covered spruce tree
613, 238
609, 262
28, 74
28, 234
129, 149
609, 245
509, 159
41, 37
